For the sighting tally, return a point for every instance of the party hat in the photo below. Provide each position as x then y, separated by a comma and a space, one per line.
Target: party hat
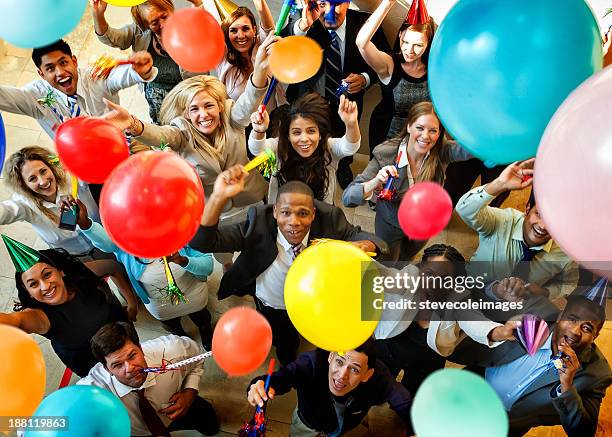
417, 14
23, 257
596, 294
532, 333
225, 8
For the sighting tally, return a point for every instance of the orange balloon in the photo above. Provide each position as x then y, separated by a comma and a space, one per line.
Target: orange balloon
194, 39
22, 373
295, 59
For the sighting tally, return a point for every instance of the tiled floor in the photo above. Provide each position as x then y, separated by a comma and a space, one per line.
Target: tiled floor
227, 394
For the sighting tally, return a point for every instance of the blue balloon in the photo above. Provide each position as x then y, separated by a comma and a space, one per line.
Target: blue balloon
36, 23
499, 69
2, 143
91, 411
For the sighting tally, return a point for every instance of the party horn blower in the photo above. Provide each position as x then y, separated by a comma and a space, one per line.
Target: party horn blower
532, 333
318, 241
256, 427
265, 162
172, 291
268, 95
166, 365
103, 65
388, 192
74, 182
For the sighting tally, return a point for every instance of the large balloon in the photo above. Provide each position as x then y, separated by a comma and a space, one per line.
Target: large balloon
152, 203
328, 294
125, 3
22, 373
295, 58
425, 210
499, 69
194, 39
573, 175
241, 341
458, 403
36, 23
90, 148
90, 410
2, 143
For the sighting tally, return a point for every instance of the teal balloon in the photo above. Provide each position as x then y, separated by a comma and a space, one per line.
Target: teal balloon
36, 23
91, 411
499, 69
458, 403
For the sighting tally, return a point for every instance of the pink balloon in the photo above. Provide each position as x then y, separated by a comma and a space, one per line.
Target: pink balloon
425, 211
573, 174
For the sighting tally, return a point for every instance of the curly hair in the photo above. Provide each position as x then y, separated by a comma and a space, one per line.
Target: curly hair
77, 278
312, 170
12, 169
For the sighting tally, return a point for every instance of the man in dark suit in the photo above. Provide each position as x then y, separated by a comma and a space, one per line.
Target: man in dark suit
269, 241
563, 383
342, 61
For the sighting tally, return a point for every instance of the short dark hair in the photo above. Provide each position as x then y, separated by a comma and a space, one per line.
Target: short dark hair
532, 200
112, 337
297, 187
368, 349
599, 312
39, 52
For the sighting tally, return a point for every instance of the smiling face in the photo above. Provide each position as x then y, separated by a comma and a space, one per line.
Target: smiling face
424, 133
204, 113
156, 19
45, 284
534, 229
413, 45
242, 34
40, 179
347, 371
304, 136
294, 213
578, 326
60, 71
126, 365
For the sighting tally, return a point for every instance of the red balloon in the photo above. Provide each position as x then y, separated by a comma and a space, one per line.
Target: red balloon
90, 148
424, 211
241, 341
152, 203
194, 39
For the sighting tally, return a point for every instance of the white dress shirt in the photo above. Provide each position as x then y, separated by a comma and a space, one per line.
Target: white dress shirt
90, 93
159, 387
270, 284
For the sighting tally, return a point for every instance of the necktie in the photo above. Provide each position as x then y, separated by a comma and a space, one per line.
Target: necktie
297, 249
150, 417
333, 68
75, 110
521, 270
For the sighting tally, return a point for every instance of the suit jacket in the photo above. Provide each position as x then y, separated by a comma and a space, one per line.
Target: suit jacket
576, 410
256, 240
353, 62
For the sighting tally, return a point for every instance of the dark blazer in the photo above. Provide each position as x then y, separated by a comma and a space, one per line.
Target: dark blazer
256, 240
309, 376
576, 410
353, 62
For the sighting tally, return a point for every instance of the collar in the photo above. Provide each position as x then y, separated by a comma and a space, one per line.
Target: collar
280, 239
123, 389
517, 234
340, 31
403, 147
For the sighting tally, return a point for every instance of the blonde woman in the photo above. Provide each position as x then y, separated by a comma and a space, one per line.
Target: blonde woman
145, 34
424, 157
38, 184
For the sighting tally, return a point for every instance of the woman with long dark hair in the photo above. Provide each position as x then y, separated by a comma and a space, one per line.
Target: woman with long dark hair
62, 300
305, 151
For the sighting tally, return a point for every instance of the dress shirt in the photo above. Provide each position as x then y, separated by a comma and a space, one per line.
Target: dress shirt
500, 238
159, 387
341, 38
90, 93
270, 284
20, 208
511, 380
338, 147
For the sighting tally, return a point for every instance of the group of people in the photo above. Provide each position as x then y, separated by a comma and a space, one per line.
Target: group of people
212, 120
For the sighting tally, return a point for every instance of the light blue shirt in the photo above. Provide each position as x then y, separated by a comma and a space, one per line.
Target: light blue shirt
511, 380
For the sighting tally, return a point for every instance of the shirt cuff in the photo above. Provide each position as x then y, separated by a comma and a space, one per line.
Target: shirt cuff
192, 381
297, 30
367, 78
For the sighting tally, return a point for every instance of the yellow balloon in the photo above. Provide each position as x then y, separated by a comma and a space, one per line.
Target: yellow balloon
295, 58
125, 3
22, 373
329, 297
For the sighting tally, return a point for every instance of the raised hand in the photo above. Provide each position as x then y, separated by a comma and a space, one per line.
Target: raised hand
257, 394
230, 183
142, 63
347, 111
260, 122
311, 11
117, 115
98, 7
516, 176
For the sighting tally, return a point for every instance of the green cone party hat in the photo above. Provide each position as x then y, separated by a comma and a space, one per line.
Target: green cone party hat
23, 256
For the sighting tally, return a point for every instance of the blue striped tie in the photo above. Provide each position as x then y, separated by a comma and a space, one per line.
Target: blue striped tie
75, 109
333, 68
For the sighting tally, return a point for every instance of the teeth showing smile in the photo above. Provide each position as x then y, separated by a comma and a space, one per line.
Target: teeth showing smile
569, 341
338, 385
539, 231
206, 123
45, 187
64, 80
49, 293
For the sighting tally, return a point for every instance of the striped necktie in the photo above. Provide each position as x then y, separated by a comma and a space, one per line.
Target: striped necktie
75, 109
297, 249
333, 68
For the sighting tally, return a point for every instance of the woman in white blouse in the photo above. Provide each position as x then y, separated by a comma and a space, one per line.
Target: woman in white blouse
304, 149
